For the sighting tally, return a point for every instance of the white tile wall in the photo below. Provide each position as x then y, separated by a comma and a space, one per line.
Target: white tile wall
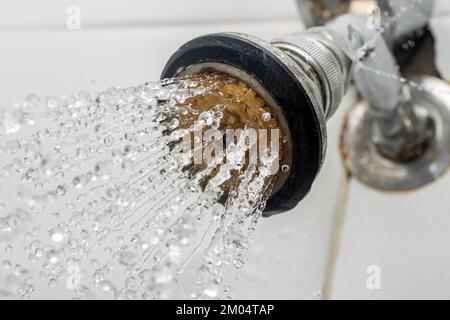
440, 26
442, 7
405, 234
61, 61
52, 13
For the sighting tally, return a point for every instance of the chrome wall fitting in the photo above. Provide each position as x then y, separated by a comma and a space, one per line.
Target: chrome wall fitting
397, 139
430, 98
319, 12
402, 21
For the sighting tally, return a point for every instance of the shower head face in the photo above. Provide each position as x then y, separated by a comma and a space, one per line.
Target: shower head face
263, 66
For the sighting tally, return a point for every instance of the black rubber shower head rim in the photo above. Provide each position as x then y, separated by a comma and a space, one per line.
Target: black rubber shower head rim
286, 90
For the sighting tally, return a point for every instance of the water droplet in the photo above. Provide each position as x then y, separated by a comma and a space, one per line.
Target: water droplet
53, 102
57, 235
266, 116
6, 265
109, 141
52, 282
77, 182
174, 124
60, 190
8, 248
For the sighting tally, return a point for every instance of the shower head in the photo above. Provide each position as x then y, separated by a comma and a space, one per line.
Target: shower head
301, 78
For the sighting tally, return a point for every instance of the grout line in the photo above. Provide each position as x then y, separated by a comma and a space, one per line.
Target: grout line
443, 15
340, 212
336, 237
159, 25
